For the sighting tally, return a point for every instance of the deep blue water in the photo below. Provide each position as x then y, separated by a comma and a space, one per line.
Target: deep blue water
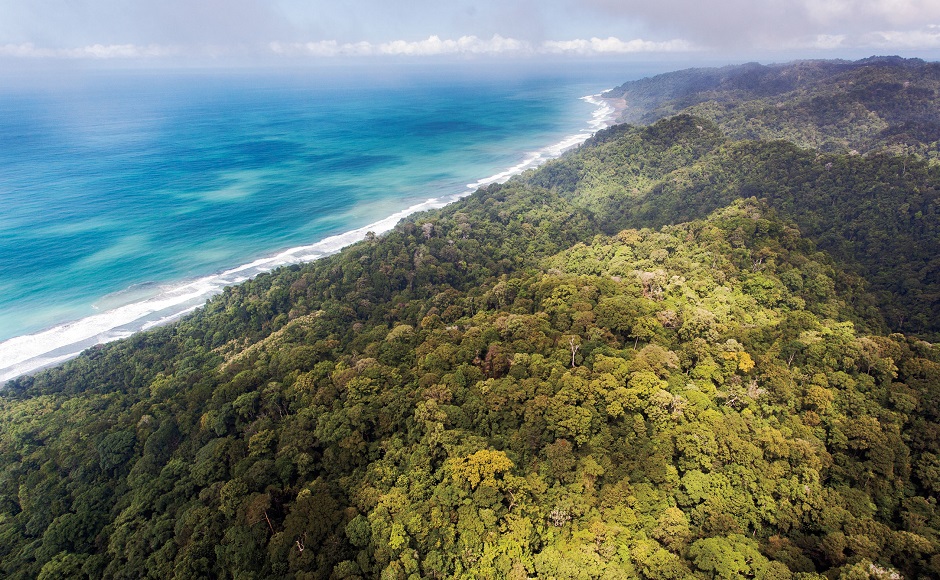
119, 187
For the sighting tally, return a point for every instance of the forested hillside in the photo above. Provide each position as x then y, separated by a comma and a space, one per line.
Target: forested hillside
879, 215
669, 354
875, 104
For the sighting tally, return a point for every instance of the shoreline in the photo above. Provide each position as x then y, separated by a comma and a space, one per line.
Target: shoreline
30, 353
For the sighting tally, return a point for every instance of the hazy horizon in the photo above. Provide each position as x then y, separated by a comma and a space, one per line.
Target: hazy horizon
60, 34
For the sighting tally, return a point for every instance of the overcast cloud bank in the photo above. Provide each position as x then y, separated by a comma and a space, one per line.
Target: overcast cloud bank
298, 29
472, 45
467, 46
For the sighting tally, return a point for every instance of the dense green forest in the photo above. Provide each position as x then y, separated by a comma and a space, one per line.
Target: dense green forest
673, 353
879, 215
875, 104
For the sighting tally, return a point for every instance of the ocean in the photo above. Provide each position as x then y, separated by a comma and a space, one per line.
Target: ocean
130, 197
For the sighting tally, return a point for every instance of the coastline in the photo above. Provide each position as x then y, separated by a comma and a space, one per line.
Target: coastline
26, 354
620, 106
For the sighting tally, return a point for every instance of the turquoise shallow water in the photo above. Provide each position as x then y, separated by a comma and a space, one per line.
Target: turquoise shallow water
128, 198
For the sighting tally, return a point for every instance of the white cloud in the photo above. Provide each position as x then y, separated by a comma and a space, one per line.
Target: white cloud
431, 46
472, 45
120, 51
745, 25
909, 39
463, 45
94, 51
23, 50
116, 29
612, 45
925, 38
828, 41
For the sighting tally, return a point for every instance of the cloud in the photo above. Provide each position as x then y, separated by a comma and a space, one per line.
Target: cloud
431, 46
867, 13
925, 38
825, 42
94, 51
910, 39
774, 24
120, 51
464, 45
249, 29
613, 45
74, 23
471, 45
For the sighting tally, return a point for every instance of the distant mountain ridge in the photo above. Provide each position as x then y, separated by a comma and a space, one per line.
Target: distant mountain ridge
877, 103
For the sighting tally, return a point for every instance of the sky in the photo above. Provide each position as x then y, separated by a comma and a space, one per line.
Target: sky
296, 31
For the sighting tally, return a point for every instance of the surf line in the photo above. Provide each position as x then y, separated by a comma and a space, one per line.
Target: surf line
29, 353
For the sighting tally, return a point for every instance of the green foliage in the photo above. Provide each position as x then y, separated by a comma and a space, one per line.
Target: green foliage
869, 105
630, 363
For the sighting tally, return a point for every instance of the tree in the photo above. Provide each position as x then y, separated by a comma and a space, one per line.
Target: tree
728, 557
482, 467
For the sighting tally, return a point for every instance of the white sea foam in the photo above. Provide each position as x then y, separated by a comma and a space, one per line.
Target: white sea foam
25, 354
604, 115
